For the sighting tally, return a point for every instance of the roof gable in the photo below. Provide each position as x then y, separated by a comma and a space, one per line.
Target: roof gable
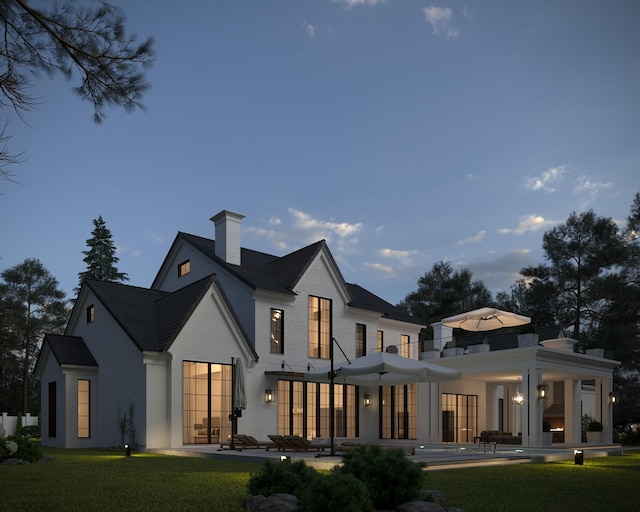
70, 350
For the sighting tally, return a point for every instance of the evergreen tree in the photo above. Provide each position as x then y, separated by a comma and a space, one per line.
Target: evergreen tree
101, 257
442, 292
32, 305
584, 256
69, 38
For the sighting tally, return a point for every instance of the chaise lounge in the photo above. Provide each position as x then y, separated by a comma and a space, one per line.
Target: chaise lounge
293, 442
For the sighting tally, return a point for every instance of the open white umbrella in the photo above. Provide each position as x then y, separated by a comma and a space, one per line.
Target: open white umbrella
485, 319
383, 369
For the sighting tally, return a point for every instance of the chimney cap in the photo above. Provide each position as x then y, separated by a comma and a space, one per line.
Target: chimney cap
226, 214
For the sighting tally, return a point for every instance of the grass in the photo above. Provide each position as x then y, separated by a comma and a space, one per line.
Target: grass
106, 480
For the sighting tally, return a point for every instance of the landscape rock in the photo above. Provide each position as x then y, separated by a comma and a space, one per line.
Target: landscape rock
14, 462
279, 502
421, 506
252, 503
48, 458
433, 495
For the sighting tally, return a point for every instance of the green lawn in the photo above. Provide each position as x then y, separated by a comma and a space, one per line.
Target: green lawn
105, 480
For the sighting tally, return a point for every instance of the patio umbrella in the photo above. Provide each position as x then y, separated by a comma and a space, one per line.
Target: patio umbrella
383, 369
239, 392
485, 319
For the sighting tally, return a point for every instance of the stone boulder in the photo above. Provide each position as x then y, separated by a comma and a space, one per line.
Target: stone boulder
421, 506
279, 502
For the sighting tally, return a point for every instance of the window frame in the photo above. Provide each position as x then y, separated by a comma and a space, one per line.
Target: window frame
276, 346
83, 430
361, 340
91, 314
184, 268
320, 329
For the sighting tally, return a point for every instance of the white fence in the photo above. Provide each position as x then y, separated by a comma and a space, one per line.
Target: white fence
9, 423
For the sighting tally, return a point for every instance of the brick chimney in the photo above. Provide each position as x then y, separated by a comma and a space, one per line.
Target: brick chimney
227, 234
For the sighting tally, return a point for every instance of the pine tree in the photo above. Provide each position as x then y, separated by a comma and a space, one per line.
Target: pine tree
31, 304
101, 257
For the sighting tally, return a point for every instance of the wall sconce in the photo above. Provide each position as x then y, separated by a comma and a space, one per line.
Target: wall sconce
578, 457
366, 400
518, 398
613, 398
269, 396
543, 391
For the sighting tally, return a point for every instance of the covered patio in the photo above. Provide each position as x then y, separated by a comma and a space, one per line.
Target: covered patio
516, 386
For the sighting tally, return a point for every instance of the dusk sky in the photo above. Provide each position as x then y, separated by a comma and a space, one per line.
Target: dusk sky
403, 132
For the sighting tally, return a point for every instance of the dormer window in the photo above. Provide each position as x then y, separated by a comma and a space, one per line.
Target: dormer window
91, 314
184, 268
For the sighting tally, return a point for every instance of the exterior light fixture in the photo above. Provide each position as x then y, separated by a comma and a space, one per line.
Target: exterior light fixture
613, 399
578, 457
269, 396
366, 401
284, 458
127, 450
518, 398
543, 391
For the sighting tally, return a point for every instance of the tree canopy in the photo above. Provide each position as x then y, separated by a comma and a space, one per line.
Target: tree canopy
442, 292
101, 256
32, 305
69, 38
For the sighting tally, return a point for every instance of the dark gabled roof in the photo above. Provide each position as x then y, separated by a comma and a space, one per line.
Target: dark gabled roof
134, 309
70, 350
151, 318
281, 274
364, 299
261, 270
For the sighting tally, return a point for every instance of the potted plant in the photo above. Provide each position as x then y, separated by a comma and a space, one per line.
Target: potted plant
594, 432
547, 435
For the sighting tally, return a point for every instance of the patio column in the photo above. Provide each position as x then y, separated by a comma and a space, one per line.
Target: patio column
572, 411
604, 411
434, 432
532, 431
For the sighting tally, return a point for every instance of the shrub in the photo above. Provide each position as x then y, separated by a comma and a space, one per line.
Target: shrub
336, 491
391, 478
31, 431
595, 426
28, 450
282, 476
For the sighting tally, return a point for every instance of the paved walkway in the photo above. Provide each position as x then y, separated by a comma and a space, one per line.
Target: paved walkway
436, 457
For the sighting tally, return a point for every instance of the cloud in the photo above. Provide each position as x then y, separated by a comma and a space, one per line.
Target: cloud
477, 238
440, 20
309, 29
350, 4
547, 179
500, 273
384, 270
528, 224
302, 228
404, 256
590, 189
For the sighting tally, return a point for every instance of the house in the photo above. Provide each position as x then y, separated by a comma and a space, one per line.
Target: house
155, 366
158, 362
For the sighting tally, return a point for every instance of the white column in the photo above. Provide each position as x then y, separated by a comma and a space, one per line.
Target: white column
572, 419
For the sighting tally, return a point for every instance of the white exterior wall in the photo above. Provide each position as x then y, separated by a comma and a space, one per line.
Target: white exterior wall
168, 280
121, 370
51, 373
208, 336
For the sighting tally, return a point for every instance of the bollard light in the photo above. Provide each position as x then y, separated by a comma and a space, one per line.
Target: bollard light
127, 450
578, 456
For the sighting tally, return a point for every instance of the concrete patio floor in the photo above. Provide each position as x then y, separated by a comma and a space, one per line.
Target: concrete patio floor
436, 457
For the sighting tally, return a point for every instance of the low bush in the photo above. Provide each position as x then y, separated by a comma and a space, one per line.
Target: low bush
27, 450
282, 476
390, 477
336, 491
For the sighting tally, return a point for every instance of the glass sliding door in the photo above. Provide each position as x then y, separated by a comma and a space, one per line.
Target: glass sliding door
459, 418
206, 402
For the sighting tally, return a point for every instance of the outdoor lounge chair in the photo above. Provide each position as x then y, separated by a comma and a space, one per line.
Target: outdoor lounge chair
296, 443
245, 442
300, 443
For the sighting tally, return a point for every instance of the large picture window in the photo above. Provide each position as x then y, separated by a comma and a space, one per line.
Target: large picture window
398, 416
319, 327
84, 408
303, 409
459, 418
206, 402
